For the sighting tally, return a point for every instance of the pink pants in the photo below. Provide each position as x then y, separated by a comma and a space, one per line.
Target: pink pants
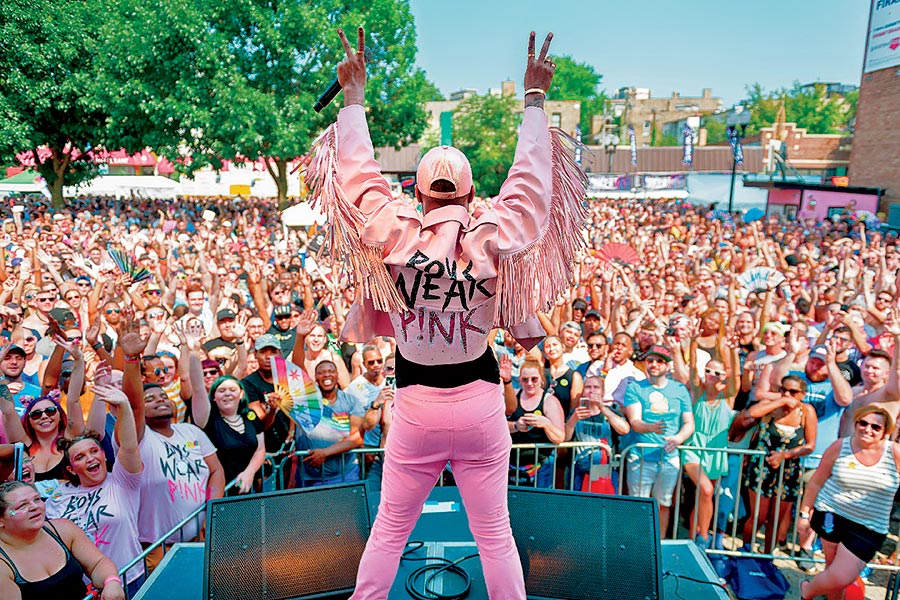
466, 426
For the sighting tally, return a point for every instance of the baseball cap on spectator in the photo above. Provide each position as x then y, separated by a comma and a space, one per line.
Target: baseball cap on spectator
660, 351
444, 163
82, 278
225, 315
571, 325
579, 304
820, 351
780, 328
792, 260
282, 310
17, 350
593, 314
16, 261
267, 340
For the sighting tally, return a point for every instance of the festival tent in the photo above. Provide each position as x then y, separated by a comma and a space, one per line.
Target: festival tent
26, 182
120, 186
301, 215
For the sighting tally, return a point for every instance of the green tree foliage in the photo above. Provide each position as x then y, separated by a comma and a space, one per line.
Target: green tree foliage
46, 74
237, 79
484, 129
810, 108
578, 81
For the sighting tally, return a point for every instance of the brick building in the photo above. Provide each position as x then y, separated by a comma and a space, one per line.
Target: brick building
825, 154
565, 114
648, 115
875, 158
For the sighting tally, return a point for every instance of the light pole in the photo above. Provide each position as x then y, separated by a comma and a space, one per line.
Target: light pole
737, 127
610, 142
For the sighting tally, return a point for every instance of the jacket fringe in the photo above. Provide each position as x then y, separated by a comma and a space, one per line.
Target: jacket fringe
345, 224
532, 278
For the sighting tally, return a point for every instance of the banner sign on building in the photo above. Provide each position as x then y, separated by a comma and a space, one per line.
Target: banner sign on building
633, 142
688, 150
883, 46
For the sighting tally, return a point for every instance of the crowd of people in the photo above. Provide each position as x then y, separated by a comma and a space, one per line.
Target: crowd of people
141, 388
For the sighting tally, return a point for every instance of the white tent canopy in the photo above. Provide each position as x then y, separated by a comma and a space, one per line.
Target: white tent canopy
145, 186
301, 215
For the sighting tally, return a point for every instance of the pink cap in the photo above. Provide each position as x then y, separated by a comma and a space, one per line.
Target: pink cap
449, 164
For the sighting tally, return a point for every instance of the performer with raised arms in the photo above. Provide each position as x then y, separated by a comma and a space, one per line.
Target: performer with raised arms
438, 282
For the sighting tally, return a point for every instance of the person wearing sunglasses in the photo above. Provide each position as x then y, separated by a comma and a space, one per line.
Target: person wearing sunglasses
42, 425
787, 431
660, 413
848, 501
713, 392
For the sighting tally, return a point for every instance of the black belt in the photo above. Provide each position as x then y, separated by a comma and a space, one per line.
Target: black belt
483, 368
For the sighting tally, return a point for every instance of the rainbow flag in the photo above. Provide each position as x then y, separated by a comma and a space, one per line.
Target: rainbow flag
301, 399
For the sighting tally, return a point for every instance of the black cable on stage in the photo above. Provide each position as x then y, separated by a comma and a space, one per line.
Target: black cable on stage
440, 565
678, 579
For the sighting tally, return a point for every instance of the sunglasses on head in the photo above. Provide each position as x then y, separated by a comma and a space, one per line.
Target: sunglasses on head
876, 427
38, 412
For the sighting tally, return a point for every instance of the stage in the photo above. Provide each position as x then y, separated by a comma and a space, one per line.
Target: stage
443, 529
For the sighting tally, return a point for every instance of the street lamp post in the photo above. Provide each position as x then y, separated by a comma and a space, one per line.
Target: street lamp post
737, 127
610, 142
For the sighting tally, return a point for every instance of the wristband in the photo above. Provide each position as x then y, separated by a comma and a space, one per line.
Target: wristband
507, 381
115, 578
238, 342
535, 91
97, 345
804, 515
132, 359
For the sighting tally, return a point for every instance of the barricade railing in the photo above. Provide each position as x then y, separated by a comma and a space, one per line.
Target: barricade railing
287, 470
163, 543
746, 455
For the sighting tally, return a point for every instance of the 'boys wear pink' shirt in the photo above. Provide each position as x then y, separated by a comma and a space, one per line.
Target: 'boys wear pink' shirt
107, 513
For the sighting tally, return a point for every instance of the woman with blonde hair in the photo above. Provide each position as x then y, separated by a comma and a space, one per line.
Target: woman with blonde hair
852, 493
537, 419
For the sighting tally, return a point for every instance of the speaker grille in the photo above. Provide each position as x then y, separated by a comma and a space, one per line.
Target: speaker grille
294, 544
586, 546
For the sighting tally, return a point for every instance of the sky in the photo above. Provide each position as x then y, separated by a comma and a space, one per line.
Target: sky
666, 45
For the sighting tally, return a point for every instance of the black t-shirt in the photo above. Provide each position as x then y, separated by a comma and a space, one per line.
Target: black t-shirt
233, 449
850, 371
277, 434
285, 338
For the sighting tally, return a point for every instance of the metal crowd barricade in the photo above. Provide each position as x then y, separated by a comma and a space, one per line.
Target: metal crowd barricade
285, 474
753, 512
163, 543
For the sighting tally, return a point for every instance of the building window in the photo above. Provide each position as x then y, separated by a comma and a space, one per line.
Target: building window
647, 126
555, 119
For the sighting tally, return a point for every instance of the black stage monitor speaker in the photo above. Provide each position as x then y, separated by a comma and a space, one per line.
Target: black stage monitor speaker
577, 546
285, 545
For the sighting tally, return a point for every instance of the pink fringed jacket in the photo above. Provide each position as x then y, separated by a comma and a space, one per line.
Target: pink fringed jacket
439, 283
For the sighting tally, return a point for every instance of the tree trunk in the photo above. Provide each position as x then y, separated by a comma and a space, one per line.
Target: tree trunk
281, 182
56, 194
279, 175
